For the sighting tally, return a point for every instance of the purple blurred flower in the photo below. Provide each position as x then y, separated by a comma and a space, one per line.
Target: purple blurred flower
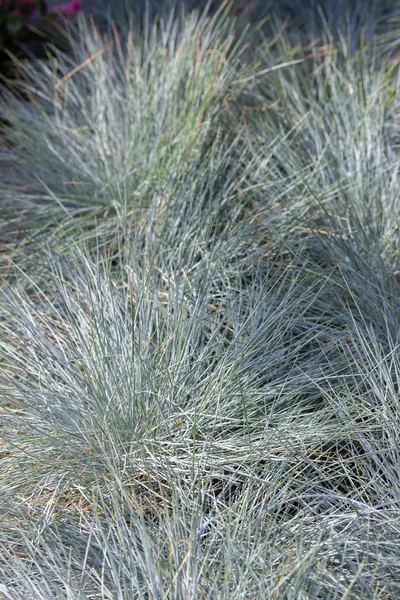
68, 8
26, 8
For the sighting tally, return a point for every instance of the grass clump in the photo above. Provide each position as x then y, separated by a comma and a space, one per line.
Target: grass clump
199, 316
119, 123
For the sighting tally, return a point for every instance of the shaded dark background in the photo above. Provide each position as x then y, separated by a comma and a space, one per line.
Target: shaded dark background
357, 20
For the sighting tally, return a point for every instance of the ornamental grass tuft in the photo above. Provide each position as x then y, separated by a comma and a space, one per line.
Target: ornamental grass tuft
199, 311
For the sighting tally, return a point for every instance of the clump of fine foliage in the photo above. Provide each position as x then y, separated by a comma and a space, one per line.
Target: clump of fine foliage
200, 312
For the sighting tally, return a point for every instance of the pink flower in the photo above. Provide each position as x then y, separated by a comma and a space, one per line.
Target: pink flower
68, 8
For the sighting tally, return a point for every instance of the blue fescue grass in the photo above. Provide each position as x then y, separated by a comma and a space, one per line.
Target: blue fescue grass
199, 334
